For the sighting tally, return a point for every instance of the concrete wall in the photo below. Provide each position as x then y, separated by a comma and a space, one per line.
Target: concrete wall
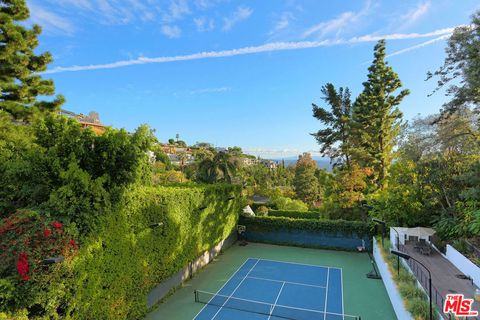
393, 293
160, 291
463, 264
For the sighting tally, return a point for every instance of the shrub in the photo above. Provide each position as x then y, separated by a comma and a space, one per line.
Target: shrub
295, 214
404, 275
284, 203
420, 308
262, 211
410, 291
27, 238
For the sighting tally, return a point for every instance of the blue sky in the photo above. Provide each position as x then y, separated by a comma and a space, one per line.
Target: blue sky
236, 72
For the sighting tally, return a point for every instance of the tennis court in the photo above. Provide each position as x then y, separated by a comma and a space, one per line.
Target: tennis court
268, 289
361, 296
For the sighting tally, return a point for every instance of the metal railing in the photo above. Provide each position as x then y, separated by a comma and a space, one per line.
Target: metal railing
422, 277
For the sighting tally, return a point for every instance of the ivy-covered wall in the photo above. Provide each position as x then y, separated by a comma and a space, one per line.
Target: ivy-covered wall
332, 234
150, 235
120, 264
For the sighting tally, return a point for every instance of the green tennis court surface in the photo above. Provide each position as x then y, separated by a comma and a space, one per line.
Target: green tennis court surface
262, 281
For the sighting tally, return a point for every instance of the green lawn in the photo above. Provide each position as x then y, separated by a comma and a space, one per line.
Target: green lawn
364, 297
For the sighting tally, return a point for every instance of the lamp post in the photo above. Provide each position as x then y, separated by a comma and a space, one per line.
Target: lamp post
382, 223
398, 248
407, 257
155, 225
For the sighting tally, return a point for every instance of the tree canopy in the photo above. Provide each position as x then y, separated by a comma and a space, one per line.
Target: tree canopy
20, 81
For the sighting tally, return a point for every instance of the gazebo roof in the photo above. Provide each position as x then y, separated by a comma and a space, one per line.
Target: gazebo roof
417, 232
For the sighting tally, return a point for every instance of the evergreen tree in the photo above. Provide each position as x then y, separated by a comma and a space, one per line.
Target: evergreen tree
305, 181
20, 83
335, 138
376, 118
462, 63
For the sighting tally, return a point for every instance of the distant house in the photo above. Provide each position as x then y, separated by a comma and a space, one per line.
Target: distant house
178, 156
92, 120
270, 164
249, 161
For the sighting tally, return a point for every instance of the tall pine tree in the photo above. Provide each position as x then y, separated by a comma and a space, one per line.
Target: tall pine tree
20, 83
377, 119
334, 140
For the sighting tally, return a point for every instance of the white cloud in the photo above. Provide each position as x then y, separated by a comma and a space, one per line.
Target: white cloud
338, 24
171, 31
277, 152
268, 47
50, 22
242, 13
176, 10
415, 13
112, 11
205, 4
203, 24
81, 4
282, 23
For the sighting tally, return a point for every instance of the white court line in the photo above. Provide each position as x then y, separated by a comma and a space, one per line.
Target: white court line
326, 296
279, 305
341, 287
289, 282
302, 264
276, 300
233, 292
236, 271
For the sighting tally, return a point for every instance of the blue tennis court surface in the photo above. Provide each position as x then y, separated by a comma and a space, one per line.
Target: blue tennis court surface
274, 290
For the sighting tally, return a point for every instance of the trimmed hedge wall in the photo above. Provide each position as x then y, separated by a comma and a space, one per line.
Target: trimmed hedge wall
294, 214
119, 265
335, 234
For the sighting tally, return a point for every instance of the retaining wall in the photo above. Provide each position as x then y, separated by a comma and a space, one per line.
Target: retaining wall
393, 293
160, 291
463, 264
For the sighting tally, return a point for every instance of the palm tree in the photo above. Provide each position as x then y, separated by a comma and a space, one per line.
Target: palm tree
221, 168
182, 157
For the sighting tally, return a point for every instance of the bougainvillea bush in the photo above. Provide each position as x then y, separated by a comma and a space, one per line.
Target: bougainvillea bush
27, 239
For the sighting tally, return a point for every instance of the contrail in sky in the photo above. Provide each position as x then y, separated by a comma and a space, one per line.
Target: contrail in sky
268, 47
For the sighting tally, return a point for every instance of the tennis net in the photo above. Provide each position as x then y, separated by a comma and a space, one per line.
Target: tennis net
273, 310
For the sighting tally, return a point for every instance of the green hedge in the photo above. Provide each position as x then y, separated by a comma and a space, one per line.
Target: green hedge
361, 229
123, 258
294, 214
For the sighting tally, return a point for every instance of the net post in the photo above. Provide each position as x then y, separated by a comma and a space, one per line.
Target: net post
196, 295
